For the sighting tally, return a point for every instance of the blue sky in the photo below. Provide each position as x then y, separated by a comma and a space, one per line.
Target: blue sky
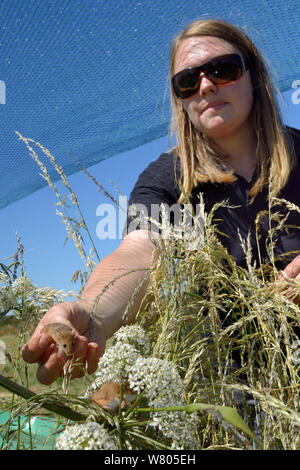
47, 261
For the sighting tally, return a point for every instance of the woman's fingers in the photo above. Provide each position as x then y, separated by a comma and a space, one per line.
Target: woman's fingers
51, 365
77, 365
93, 355
36, 347
52, 362
291, 270
87, 358
43, 349
51, 359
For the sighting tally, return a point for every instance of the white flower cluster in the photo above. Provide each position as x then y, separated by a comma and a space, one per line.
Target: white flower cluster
22, 292
11, 292
164, 388
158, 378
23, 284
136, 336
114, 365
130, 342
88, 436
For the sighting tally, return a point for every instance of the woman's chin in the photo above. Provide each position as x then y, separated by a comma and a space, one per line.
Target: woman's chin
216, 129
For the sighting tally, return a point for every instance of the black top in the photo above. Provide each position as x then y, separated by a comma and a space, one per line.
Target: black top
157, 185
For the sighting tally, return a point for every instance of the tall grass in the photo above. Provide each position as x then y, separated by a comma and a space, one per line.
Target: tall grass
230, 333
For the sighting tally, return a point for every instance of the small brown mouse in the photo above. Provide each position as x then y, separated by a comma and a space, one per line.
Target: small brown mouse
62, 334
108, 395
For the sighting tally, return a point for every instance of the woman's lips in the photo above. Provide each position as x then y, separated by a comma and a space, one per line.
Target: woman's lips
214, 106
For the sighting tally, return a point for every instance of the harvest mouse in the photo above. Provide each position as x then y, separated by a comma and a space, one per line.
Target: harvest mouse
63, 335
108, 395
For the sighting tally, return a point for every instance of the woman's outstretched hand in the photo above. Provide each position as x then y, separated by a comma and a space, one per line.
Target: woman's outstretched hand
88, 348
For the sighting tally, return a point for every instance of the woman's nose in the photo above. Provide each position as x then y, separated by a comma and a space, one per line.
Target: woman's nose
206, 85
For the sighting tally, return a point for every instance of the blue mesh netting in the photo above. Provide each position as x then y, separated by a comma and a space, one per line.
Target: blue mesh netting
88, 78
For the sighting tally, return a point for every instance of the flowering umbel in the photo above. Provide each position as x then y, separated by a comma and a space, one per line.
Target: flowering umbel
87, 436
129, 359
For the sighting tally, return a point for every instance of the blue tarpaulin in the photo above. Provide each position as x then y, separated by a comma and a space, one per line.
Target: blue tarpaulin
88, 79
35, 432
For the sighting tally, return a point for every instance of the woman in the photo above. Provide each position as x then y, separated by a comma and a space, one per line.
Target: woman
230, 144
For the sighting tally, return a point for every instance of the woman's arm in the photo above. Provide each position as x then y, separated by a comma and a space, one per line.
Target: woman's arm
116, 278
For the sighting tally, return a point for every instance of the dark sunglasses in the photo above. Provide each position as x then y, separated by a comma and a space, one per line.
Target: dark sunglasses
221, 71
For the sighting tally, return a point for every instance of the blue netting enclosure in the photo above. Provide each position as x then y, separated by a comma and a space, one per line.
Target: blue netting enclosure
88, 79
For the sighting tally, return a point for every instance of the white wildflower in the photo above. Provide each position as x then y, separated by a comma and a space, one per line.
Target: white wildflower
114, 365
24, 298
23, 286
136, 336
163, 387
8, 299
158, 379
88, 436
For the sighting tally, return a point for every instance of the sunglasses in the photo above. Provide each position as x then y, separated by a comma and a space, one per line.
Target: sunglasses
221, 71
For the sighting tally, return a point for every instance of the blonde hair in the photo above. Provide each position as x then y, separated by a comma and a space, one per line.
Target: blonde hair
198, 160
